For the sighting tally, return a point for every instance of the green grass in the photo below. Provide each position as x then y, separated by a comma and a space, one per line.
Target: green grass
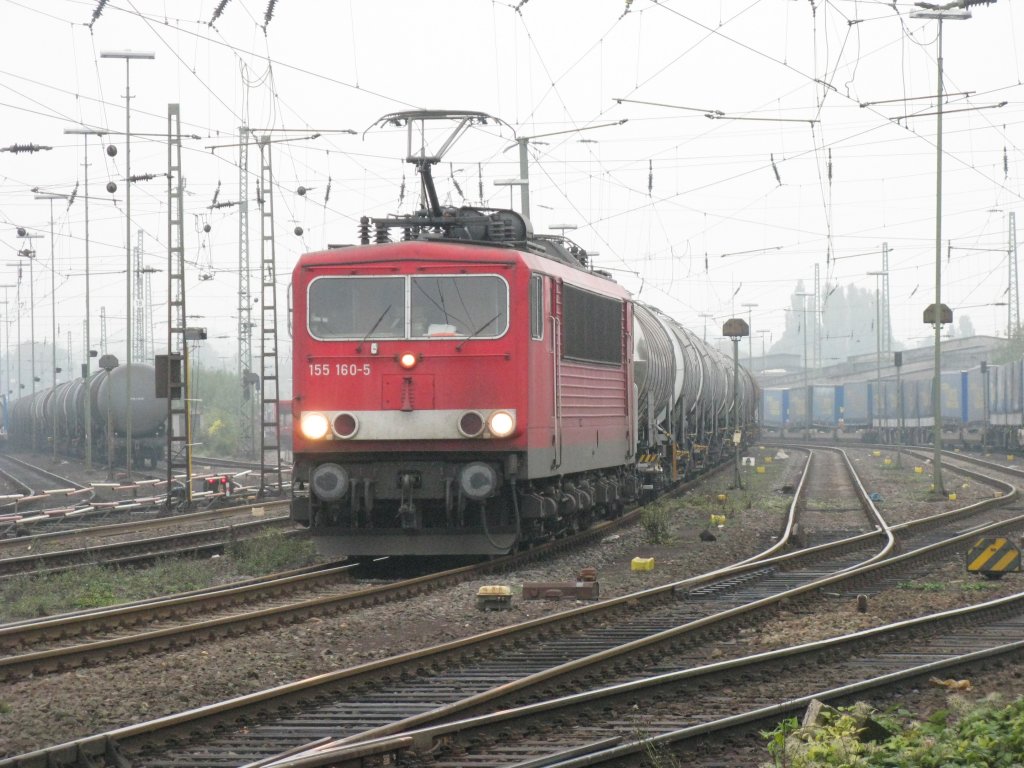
978, 586
30, 596
923, 586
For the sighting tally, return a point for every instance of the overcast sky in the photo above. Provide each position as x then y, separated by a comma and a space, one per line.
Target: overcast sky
809, 160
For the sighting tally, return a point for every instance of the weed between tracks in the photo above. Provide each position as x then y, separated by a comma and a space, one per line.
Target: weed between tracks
720, 501
987, 732
95, 586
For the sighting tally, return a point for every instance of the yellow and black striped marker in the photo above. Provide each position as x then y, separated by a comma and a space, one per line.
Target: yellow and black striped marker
992, 557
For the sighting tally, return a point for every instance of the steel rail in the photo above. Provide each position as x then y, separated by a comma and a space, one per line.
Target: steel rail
34, 498
480, 644
136, 550
869, 566
453, 649
667, 685
133, 526
23, 634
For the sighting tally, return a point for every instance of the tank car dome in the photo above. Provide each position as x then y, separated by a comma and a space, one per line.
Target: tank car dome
148, 411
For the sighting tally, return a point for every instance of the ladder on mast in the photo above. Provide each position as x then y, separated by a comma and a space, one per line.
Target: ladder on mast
175, 373
270, 404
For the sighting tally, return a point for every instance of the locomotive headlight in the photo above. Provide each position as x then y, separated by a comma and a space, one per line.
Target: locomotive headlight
345, 425
407, 360
329, 482
478, 480
314, 425
501, 423
471, 424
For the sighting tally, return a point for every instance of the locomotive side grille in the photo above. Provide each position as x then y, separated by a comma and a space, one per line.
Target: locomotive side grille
589, 392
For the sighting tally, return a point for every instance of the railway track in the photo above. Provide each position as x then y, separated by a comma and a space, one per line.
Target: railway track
629, 634
612, 723
59, 643
46, 502
203, 533
42, 497
645, 626
63, 642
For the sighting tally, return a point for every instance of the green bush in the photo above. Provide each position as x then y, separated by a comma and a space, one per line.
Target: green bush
655, 522
985, 735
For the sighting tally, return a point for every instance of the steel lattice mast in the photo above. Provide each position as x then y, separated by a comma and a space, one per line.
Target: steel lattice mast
176, 373
247, 414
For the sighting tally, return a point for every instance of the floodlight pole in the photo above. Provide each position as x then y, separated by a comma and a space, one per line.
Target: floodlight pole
87, 365
937, 485
53, 310
956, 10
128, 56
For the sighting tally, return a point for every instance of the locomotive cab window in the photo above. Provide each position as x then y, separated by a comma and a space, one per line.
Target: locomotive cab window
591, 327
473, 306
537, 306
357, 308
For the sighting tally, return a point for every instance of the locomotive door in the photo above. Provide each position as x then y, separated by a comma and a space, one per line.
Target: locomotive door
544, 438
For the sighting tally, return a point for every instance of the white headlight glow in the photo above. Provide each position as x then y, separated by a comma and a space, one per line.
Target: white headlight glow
314, 425
501, 423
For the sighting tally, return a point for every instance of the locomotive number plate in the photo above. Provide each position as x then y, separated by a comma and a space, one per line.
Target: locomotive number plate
339, 369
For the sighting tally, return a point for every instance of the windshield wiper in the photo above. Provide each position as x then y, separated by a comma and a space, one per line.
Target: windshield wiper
458, 346
370, 332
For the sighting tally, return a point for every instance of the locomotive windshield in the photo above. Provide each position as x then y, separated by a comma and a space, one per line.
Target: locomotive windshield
460, 305
357, 308
420, 307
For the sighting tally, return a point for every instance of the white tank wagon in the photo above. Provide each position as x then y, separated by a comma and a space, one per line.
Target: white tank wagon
36, 419
685, 393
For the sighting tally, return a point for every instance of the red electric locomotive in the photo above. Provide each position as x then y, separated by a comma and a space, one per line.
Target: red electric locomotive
456, 397
470, 389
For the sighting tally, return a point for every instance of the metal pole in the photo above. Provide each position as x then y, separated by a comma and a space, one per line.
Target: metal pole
898, 360
32, 332
7, 341
878, 402
17, 302
87, 366
807, 389
128, 56
878, 351
53, 329
110, 432
7, 346
735, 408
936, 384
524, 175
957, 11
750, 339
984, 428
7, 351
128, 261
